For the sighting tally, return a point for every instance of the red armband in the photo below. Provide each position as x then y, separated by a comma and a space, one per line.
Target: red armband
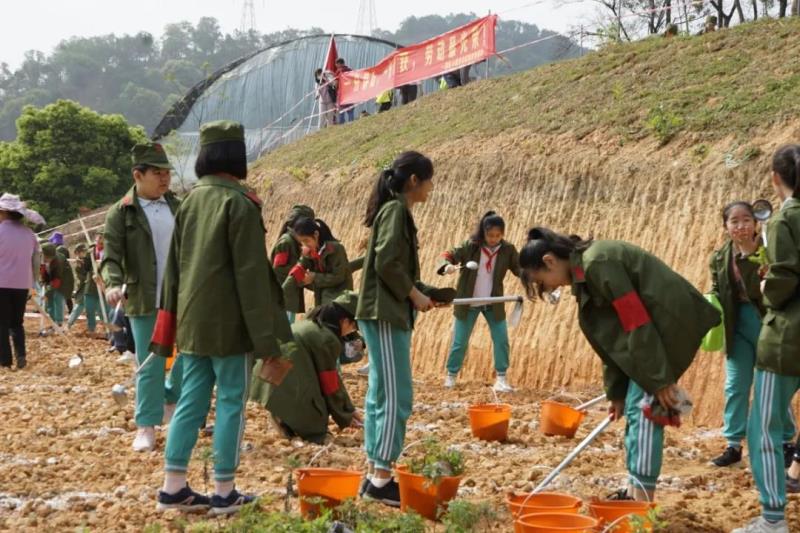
298, 273
55, 283
447, 256
281, 259
165, 329
329, 381
631, 311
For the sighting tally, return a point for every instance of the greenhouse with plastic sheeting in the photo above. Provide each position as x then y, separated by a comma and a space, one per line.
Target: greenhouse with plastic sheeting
271, 92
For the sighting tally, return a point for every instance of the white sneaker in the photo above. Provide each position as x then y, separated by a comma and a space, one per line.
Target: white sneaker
363, 371
126, 357
449, 381
501, 385
145, 440
760, 525
169, 410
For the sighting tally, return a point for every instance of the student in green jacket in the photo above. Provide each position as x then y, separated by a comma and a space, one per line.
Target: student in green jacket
55, 275
391, 295
645, 322
777, 362
736, 278
284, 257
313, 391
221, 305
138, 232
323, 266
495, 258
86, 298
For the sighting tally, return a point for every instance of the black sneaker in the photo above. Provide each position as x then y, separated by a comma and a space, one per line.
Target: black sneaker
620, 495
184, 500
231, 504
363, 487
389, 494
788, 454
729, 457
792, 485
21, 363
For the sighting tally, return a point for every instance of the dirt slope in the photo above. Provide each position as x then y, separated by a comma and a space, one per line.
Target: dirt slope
569, 146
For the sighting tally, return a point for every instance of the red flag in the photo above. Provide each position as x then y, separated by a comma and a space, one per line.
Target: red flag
331, 56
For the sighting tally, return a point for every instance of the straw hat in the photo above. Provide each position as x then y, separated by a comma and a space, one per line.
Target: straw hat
11, 202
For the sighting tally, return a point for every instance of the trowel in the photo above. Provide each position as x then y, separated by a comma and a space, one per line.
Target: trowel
762, 210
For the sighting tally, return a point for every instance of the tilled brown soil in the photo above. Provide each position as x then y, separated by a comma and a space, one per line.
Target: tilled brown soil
66, 461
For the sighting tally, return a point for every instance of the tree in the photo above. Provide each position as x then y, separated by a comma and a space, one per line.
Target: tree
66, 157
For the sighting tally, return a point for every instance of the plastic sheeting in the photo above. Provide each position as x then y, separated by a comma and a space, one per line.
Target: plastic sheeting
262, 92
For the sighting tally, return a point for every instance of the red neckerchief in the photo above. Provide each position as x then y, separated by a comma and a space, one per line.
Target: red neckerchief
317, 257
490, 256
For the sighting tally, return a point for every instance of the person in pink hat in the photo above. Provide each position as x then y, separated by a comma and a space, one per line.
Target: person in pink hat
19, 263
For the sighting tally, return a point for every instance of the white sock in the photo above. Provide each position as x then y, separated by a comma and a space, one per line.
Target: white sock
223, 488
380, 482
174, 482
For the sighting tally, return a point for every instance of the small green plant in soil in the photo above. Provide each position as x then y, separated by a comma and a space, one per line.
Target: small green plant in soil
436, 461
292, 462
664, 124
649, 523
463, 516
207, 456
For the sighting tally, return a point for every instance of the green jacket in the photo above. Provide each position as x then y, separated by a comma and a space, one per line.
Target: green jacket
57, 276
332, 274
284, 257
779, 343
313, 389
129, 255
68, 281
391, 267
220, 296
644, 320
83, 268
507, 260
724, 287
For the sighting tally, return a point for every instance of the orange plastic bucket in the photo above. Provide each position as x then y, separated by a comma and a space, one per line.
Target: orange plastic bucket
555, 523
560, 419
543, 502
607, 511
489, 421
424, 497
331, 485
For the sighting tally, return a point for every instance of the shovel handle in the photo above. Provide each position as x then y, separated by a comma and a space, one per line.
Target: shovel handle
487, 301
590, 403
144, 363
572, 455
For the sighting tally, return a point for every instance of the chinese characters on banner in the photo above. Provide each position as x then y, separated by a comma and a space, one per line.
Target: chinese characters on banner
466, 45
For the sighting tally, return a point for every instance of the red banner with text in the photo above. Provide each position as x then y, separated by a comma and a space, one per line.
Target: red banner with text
466, 45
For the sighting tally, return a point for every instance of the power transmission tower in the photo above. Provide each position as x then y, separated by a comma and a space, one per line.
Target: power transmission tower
367, 21
248, 22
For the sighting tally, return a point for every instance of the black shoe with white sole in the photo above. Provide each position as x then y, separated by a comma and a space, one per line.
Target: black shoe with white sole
184, 500
232, 503
389, 494
729, 457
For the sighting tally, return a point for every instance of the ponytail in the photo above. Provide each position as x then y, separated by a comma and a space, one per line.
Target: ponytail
392, 180
488, 221
328, 316
786, 164
543, 241
306, 227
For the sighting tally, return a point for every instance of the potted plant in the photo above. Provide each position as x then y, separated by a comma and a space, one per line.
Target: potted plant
430, 480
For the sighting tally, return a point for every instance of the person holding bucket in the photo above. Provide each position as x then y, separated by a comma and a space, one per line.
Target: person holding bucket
777, 375
285, 255
313, 392
494, 258
736, 270
391, 295
626, 309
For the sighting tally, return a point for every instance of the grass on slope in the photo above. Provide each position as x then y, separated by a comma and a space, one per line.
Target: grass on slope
727, 82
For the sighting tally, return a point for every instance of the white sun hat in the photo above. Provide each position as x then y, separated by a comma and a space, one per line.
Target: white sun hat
11, 202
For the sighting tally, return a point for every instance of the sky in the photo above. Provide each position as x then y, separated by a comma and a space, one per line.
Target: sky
42, 24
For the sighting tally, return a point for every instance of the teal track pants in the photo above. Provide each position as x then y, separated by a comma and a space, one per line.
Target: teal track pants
644, 440
765, 436
739, 370
231, 374
462, 330
153, 390
387, 405
91, 303
54, 305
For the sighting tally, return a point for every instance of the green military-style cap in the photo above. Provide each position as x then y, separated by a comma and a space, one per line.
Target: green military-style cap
348, 301
221, 131
49, 249
150, 154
